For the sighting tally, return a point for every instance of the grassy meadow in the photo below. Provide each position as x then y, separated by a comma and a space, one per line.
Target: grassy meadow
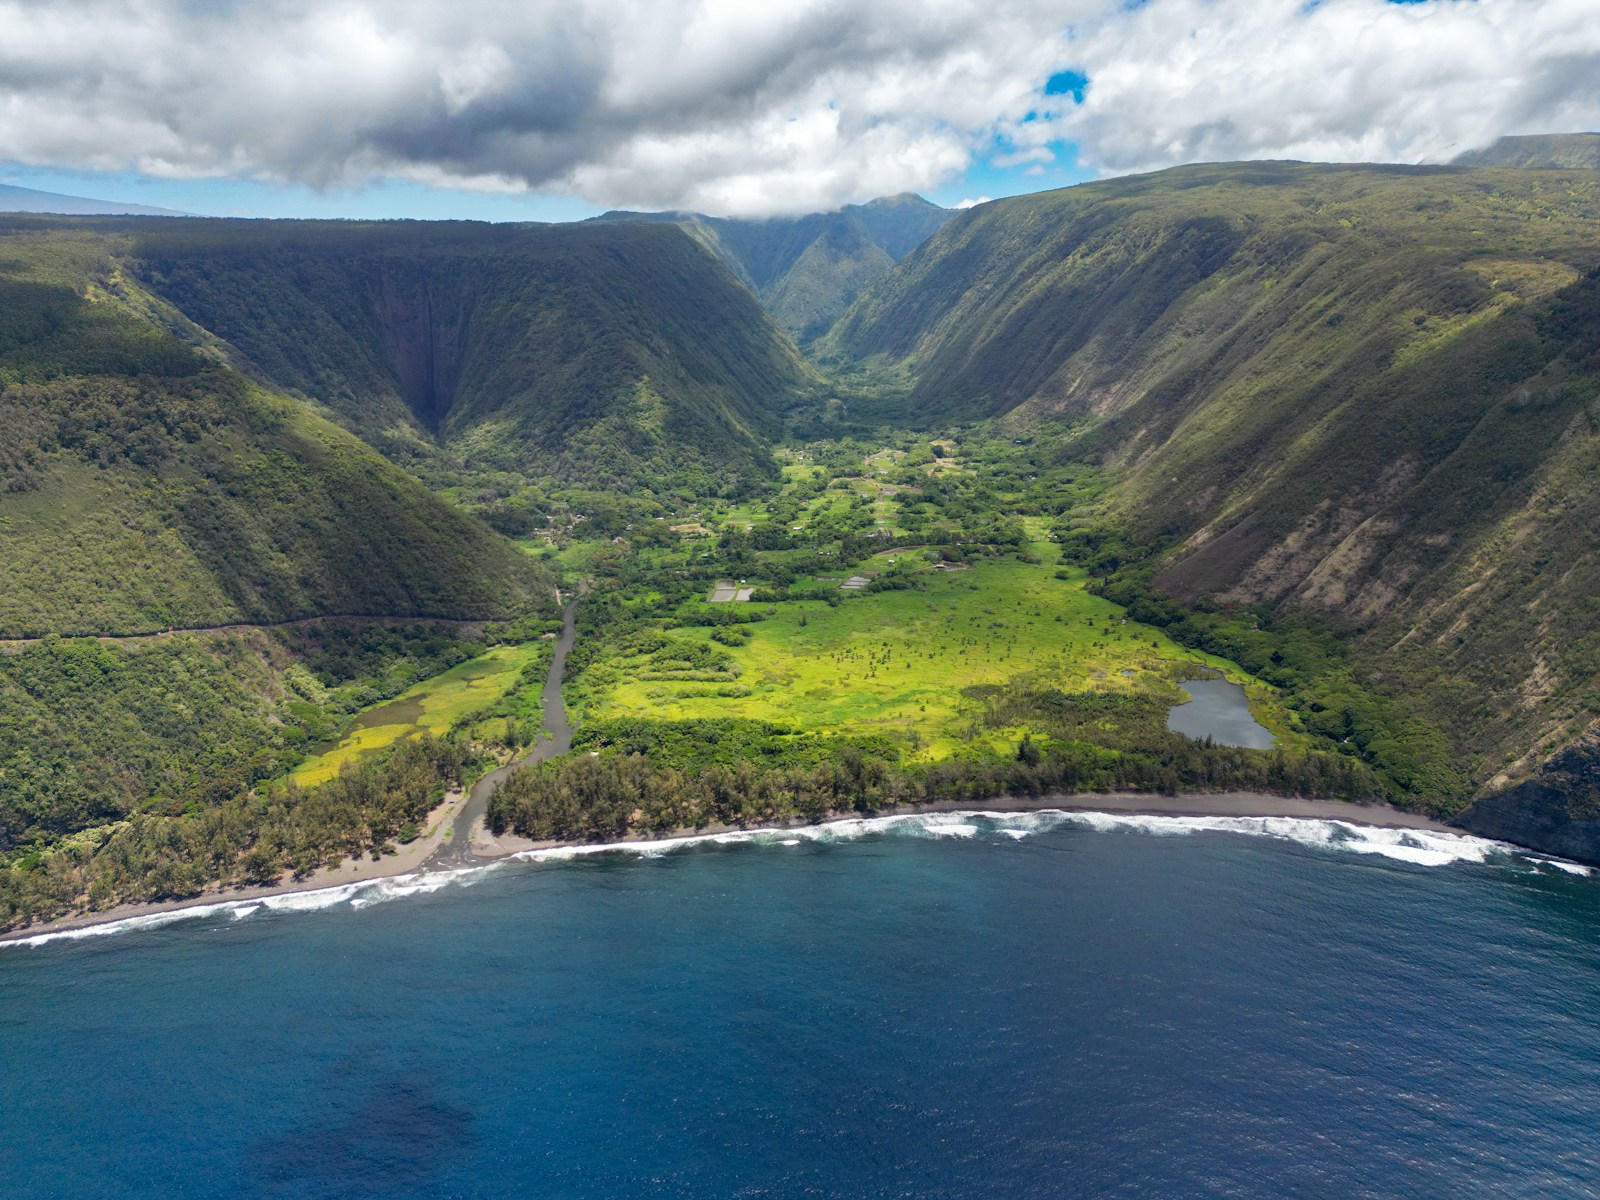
911, 657
433, 706
900, 662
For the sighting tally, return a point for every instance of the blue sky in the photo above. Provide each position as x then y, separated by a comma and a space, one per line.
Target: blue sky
248, 198
985, 180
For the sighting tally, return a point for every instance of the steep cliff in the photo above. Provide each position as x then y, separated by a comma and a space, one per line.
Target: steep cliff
1557, 811
606, 354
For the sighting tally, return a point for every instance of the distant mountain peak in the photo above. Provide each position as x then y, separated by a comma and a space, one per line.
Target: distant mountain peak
808, 269
630, 214
897, 200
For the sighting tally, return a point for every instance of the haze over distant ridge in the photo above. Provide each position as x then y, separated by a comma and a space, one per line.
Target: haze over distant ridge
807, 270
1540, 151
30, 200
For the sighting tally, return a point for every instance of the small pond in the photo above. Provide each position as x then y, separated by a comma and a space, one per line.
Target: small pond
1220, 711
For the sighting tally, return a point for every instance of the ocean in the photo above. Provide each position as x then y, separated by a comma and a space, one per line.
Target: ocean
963, 1005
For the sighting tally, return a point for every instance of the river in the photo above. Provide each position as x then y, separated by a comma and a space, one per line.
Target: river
456, 850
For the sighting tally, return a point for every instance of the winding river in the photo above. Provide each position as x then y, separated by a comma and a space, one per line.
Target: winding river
456, 850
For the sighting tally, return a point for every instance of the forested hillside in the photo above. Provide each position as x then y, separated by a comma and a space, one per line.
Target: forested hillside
1367, 394
618, 355
149, 487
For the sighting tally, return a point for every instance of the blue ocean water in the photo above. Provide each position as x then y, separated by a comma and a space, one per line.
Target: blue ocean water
959, 1006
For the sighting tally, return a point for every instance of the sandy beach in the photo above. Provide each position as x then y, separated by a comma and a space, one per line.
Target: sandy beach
485, 847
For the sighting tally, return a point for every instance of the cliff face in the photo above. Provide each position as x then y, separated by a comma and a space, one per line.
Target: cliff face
524, 346
1557, 811
145, 486
423, 339
808, 270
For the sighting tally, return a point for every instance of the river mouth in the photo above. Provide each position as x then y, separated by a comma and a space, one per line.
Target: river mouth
457, 851
1218, 709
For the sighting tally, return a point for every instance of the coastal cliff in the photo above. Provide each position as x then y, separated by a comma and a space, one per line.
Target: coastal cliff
1557, 811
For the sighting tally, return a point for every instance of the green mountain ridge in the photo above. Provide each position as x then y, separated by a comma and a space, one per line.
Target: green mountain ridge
611, 354
1541, 151
147, 485
807, 270
1364, 393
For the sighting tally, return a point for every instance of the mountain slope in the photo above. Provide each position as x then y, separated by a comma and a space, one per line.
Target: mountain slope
607, 354
146, 485
833, 269
899, 224
807, 270
1543, 151
1364, 393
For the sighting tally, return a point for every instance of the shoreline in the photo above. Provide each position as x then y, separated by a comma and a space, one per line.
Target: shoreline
485, 849
409, 857
488, 848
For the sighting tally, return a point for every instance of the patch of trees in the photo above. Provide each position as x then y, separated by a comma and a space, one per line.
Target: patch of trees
254, 838
48, 331
586, 798
88, 731
724, 740
91, 731
681, 658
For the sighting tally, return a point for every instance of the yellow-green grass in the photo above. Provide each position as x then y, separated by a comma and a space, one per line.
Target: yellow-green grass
895, 662
577, 558
432, 706
742, 514
794, 473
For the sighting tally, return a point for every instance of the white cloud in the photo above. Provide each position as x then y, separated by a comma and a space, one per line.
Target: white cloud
778, 106
974, 201
1345, 80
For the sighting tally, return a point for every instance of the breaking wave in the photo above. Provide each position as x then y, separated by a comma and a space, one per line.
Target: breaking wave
356, 895
1417, 847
